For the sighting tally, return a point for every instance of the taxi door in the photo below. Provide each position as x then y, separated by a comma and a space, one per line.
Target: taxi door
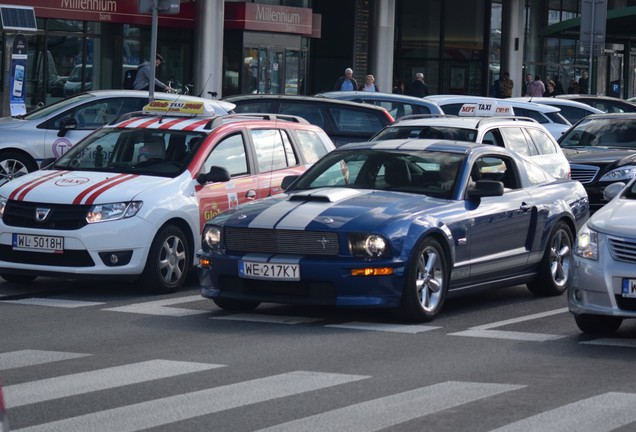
229, 152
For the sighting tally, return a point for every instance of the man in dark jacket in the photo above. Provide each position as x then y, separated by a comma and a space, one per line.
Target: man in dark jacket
418, 87
346, 82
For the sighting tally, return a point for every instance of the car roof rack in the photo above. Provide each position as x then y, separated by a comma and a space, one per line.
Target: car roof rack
496, 118
265, 116
423, 116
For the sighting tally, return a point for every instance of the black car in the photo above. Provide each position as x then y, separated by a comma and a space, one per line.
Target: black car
601, 149
343, 121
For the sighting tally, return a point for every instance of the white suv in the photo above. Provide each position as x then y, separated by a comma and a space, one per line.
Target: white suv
521, 134
549, 116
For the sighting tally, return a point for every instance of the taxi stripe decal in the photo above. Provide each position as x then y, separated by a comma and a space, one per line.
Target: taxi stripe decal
197, 124
105, 182
20, 192
171, 123
94, 195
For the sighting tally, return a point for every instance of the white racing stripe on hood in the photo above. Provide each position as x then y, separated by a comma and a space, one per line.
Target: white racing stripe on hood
297, 214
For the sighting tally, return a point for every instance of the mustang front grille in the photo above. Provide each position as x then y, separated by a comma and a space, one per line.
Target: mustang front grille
623, 249
276, 241
583, 173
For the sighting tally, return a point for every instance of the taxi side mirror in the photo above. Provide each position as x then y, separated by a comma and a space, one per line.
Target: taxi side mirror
216, 174
66, 125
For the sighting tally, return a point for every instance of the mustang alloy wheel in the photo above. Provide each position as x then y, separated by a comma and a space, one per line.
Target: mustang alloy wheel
426, 284
554, 269
169, 261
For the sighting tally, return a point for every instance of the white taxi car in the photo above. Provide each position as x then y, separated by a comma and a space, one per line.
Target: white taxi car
50, 131
490, 123
130, 200
549, 116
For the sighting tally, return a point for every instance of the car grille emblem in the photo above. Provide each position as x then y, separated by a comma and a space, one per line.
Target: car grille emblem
41, 214
324, 242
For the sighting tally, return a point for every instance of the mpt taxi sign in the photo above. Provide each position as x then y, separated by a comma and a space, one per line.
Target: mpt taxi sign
486, 109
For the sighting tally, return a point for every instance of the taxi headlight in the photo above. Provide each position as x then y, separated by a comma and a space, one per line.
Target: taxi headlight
3, 203
112, 211
368, 245
211, 238
623, 173
586, 245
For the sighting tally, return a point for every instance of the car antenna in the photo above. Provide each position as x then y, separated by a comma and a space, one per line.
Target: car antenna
205, 84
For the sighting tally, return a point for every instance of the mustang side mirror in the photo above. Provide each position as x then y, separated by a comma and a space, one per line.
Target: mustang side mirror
65, 126
486, 188
287, 181
216, 174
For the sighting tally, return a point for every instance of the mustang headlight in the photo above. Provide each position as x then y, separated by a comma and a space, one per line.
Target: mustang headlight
112, 211
623, 173
586, 245
3, 203
368, 246
211, 238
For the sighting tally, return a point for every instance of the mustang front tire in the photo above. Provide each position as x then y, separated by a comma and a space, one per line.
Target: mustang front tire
554, 269
426, 284
168, 263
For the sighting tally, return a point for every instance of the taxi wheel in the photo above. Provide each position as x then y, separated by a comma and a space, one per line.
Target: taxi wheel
168, 262
554, 269
14, 164
19, 279
426, 284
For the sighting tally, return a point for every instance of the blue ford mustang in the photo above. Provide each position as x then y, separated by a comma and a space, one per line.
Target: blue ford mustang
402, 224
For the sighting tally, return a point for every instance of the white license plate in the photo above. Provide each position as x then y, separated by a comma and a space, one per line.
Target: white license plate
37, 243
271, 271
629, 288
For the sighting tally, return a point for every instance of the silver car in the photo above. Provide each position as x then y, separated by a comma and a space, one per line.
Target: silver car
603, 284
50, 131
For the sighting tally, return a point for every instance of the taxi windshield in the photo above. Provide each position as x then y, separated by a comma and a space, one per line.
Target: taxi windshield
164, 153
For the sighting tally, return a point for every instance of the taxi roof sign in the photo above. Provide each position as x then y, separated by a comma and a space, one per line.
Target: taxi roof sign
184, 108
486, 109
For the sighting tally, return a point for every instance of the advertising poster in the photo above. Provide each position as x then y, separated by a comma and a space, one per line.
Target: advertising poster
18, 89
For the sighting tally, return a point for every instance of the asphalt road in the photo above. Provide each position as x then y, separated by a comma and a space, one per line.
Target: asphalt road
100, 356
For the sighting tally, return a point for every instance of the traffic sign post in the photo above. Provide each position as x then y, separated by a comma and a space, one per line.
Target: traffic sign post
592, 35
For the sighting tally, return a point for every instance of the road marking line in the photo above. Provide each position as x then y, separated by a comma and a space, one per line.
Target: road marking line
394, 328
51, 302
96, 380
382, 413
521, 319
484, 331
159, 412
512, 335
629, 343
271, 319
16, 359
600, 413
159, 307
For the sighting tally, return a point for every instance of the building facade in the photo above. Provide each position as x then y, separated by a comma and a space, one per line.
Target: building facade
302, 46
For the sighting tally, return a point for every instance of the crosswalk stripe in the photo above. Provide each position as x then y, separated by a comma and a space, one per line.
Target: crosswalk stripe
271, 319
600, 413
16, 359
160, 307
393, 328
172, 409
101, 379
511, 335
389, 411
51, 302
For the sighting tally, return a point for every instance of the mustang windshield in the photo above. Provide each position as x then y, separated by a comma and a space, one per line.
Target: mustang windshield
140, 151
427, 173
